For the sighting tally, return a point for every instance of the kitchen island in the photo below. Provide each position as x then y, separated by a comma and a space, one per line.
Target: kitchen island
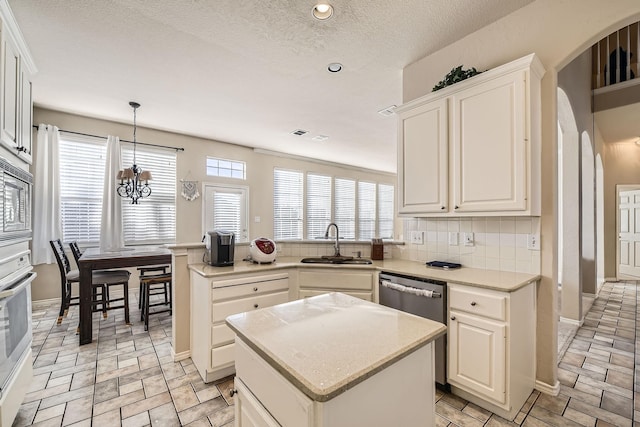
334, 360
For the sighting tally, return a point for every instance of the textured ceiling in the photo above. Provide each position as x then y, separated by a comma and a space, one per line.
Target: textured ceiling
245, 71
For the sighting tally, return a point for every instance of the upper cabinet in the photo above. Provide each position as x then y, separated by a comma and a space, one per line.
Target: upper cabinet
473, 148
16, 105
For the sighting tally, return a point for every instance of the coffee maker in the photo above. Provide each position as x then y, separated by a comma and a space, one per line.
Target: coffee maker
220, 247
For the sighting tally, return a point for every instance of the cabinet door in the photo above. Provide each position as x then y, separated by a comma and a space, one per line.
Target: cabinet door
477, 355
10, 93
249, 412
26, 118
423, 159
490, 146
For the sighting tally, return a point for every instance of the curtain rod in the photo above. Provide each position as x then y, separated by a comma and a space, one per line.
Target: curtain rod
122, 140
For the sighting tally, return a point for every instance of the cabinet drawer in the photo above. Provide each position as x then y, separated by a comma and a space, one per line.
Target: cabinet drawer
336, 280
221, 310
221, 334
306, 293
483, 302
288, 405
221, 356
248, 288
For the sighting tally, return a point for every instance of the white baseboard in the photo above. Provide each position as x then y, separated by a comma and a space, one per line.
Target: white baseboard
180, 356
574, 322
552, 390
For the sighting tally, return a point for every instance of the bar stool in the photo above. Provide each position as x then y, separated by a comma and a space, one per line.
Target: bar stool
147, 282
154, 290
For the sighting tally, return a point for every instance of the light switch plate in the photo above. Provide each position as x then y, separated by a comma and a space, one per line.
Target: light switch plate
453, 238
417, 237
533, 241
467, 239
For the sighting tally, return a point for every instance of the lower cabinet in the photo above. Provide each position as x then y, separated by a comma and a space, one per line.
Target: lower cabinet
354, 282
212, 301
403, 394
491, 339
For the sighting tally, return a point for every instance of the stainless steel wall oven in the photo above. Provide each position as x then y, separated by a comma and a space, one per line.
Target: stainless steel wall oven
15, 201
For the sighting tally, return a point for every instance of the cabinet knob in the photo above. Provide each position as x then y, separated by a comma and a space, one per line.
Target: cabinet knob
456, 207
453, 317
255, 289
232, 392
255, 305
473, 303
442, 207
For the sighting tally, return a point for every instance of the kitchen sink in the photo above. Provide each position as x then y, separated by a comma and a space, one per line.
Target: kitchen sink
336, 260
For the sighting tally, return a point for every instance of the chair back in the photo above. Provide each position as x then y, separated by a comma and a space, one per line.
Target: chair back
61, 258
75, 250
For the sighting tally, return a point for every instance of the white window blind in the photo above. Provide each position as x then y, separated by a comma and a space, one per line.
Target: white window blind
82, 161
345, 207
153, 220
226, 209
287, 204
366, 210
318, 205
385, 211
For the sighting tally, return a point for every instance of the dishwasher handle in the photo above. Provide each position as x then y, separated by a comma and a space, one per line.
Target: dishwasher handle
410, 290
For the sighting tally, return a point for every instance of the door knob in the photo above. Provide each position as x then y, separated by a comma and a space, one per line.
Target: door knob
255, 305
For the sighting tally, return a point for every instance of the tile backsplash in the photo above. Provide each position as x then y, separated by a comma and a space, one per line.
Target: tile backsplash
499, 243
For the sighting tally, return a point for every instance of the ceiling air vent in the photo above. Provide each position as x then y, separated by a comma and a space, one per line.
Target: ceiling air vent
389, 111
320, 138
299, 132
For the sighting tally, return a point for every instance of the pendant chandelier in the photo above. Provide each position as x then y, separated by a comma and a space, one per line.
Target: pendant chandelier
131, 179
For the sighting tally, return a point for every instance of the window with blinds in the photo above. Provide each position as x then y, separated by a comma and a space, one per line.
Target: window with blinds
385, 211
318, 205
227, 209
82, 162
287, 204
362, 210
366, 210
153, 220
344, 213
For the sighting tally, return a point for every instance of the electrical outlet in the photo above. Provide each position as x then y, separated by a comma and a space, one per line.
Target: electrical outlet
417, 237
467, 238
453, 238
533, 242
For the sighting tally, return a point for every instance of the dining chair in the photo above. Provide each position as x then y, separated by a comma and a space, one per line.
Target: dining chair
101, 280
113, 278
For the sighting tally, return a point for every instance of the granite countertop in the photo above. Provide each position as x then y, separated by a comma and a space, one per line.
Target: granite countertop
307, 342
489, 279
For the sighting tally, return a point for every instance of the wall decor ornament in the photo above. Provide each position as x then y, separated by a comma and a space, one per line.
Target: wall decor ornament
456, 75
189, 190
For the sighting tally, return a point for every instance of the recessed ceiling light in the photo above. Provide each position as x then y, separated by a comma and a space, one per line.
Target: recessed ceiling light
389, 111
322, 11
320, 138
334, 67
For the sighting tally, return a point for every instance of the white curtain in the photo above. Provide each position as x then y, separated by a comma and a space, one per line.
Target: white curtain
111, 235
46, 207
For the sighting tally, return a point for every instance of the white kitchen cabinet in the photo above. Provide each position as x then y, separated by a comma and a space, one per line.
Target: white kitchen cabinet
16, 100
491, 346
212, 300
355, 282
475, 144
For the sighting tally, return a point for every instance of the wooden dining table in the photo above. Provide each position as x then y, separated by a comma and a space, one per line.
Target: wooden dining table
94, 259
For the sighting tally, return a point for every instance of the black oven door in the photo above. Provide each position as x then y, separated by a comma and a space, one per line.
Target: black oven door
15, 325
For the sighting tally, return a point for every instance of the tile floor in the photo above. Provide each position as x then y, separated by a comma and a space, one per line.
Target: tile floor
127, 377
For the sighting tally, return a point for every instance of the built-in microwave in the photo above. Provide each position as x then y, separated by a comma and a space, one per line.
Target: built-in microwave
15, 202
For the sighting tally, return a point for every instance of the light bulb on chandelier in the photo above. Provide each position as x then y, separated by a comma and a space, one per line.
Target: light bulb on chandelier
131, 179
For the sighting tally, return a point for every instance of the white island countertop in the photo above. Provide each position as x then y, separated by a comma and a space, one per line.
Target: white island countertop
327, 344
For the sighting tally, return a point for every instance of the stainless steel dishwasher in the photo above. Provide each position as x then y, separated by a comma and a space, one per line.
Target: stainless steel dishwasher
422, 297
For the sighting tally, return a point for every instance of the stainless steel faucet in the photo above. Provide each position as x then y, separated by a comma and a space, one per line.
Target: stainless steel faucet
336, 245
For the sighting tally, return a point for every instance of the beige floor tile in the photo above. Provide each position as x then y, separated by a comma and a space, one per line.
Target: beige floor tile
139, 420
146, 404
107, 419
164, 416
50, 412
78, 410
201, 411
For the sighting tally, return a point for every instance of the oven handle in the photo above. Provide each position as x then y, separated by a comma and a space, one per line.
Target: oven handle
410, 290
16, 289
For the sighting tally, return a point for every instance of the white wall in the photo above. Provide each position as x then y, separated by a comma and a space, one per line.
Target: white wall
557, 31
